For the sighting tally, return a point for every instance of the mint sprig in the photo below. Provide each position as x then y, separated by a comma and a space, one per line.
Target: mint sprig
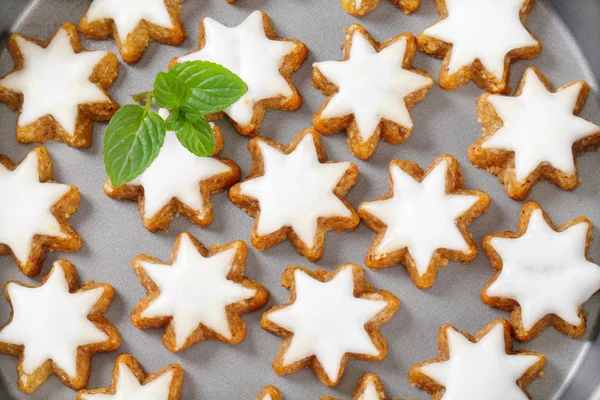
191, 90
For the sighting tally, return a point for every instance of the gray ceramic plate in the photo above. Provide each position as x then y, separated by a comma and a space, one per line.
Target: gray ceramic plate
445, 122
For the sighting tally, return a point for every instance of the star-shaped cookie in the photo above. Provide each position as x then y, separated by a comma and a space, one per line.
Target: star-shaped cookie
178, 182
55, 327
478, 40
130, 382
34, 211
134, 24
480, 367
254, 52
58, 88
200, 295
544, 274
422, 221
534, 135
269, 393
370, 91
294, 192
369, 387
331, 316
358, 8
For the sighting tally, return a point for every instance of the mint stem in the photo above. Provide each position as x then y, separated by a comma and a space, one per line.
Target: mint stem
149, 96
141, 96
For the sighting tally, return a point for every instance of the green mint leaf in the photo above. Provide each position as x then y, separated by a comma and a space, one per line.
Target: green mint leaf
212, 86
132, 141
190, 114
197, 137
169, 90
175, 120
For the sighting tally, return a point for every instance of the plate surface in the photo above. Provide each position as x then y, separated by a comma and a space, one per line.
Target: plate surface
445, 122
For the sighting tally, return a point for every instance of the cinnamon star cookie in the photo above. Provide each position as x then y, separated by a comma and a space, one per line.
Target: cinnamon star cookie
58, 87
370, 91
481, 367
534, 135
422, 221
294, 192
544, 274
478, 40
129, 382
200, 295
264, 61
177, 182
34, 211
331, 316
134, 24
55, 327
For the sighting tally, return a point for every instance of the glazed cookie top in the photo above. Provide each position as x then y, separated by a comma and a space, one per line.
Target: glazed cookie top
195, 290
369, 391
176, 173
54, 81
26, 206
481, 370
539, 126
248, 52
127, 15
486, 30
372, 85
546, 271
51, 323
320, 312
296, 190
128, 387
421, 216
269, 393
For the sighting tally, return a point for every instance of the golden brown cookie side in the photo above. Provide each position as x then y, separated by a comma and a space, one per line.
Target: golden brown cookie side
407, 6
269, 391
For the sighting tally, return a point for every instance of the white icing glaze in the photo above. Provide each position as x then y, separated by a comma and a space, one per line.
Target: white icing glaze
176, 173
25, 206
372, 86
127, 15
421, 216
486, 30
129, 388
51, 323
267, 397
195, 290
54, 81
546, 272
327, 321
249, 53
296, 190
539, 126
480, 370
370, 392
